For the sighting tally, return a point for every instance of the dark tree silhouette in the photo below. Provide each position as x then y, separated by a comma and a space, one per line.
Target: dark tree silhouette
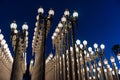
116, 49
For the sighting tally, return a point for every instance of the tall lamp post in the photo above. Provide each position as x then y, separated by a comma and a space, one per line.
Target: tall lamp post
43, 25
19, 43
100, 54
6, 59
114, 67
70, 22
79, 62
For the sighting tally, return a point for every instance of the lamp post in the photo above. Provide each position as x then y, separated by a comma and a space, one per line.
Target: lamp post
107, 72
70, 22
114, 68
83, 56
6, 59
79, 62
100, 54
43, 25
19, 43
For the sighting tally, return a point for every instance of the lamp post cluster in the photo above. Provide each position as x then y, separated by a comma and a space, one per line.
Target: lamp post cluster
50, 68
62, 38
5, 57
19, 43
41, 30
91, 64
73, 60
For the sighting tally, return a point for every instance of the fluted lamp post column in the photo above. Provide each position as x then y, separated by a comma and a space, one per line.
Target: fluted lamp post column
84, 60
107, 70
100, 54
18, 40
114, 67
79, 62
43, 25
70, 22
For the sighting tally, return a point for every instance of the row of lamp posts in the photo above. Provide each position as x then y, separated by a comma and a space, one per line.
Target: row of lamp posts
78, 62
5, 57
72, 60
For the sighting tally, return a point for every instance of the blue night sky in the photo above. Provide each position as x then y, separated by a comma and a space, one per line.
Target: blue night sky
99, 20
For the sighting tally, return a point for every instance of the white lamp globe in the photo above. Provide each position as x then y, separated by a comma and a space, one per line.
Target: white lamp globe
92, 53
15, 31
75, 14
37, 17
60, 25
55, 34
99, 63
71, 48
25, 27
89, 49
26, 33
3, 42
119, 71
1, 37
36, 24
51, 12
112, 59
77, 49
81, 46
105, 61
66, 13
78, 42
102, 46
51, 55
31, 61
118, 56
57, 30
13, 25
41, 10
63, 19
0, 30
5, 46
52, 37
95, 45
85, 42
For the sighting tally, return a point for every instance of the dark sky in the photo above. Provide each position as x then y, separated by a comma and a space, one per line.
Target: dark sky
99, 20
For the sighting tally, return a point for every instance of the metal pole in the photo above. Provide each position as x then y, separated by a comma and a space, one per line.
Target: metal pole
116, 76
69, 55
65, 60
96, 75
17, 73
102, 69
44, 49
79, 65
84, 65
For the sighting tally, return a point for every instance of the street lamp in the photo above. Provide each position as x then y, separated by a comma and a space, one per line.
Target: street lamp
6, 59
100, 54
19, 43
79, 61
118, 56
114, 67
71, 21
43, 25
